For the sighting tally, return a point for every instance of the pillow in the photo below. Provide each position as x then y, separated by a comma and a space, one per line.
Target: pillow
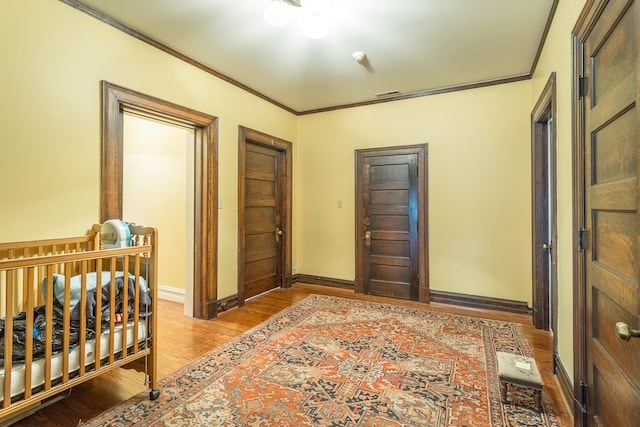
75, 285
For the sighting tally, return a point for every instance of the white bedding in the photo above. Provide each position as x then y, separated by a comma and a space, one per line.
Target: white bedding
37, 371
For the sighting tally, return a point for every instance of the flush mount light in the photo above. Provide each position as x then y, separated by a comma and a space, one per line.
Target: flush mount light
279, 12
313, 19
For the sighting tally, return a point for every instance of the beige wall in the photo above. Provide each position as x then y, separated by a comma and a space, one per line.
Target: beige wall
158, 175
479, 179
53, 59
479, 162
556, 57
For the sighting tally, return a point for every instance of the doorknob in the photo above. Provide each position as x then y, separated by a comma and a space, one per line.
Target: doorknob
278, 234
546, 246
367, 238
625, 333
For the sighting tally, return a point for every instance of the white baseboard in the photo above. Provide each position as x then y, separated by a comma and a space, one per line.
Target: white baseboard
171, 294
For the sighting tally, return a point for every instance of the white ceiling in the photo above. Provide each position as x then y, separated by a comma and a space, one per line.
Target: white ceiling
411, 45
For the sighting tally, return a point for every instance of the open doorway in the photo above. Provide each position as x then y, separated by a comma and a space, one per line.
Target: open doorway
158, 171
116, 103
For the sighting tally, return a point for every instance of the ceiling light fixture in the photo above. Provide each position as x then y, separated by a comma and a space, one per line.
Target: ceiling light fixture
278, 13
313, 20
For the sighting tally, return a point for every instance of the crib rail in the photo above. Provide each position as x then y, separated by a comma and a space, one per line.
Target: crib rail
27, 272
38, 248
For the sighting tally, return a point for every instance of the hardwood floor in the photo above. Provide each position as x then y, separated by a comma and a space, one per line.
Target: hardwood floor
182, 339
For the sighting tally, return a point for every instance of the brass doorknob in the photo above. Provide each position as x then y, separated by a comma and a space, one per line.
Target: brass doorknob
546, 246
367, 238
624, 332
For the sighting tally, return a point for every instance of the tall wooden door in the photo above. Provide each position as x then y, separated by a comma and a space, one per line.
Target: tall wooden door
612, 268
544, 210
391, 222
264, 213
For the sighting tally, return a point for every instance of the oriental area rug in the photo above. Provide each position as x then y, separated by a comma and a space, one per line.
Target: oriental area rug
330, 361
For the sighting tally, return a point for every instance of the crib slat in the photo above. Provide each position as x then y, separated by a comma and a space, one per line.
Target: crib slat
40, 277
25, 254
66, 320
98, 312
112, 310
8, 340
125, 303
136, 304
28, 345
83, 315
48, 328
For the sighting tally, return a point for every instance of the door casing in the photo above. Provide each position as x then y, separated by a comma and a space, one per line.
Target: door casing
544, 184
582, 237
423, 239
115, 101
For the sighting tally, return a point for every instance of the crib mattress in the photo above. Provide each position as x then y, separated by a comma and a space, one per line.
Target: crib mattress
37, 366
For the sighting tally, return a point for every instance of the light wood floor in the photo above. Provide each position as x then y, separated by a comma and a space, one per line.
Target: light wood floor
182, 339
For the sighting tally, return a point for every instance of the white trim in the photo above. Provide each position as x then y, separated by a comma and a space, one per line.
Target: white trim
171, 294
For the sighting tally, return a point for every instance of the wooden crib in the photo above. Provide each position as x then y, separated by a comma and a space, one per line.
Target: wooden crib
70, 311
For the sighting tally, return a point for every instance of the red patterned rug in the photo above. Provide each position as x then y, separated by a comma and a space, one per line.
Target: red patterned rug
330, 361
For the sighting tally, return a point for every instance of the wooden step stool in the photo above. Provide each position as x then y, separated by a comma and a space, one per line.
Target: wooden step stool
519, 370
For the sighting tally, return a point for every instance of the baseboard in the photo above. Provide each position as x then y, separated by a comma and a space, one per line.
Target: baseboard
171, 294
444, 297
232, 300
566, 385
326, 281
476, 301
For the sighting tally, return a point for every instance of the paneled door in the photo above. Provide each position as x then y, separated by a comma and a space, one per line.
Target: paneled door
544, 210
264, 216
391, 222
609, 61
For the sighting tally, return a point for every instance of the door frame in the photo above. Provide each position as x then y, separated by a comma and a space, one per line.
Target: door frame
421, 150
586, 20
247, 135
117, 100
543, 153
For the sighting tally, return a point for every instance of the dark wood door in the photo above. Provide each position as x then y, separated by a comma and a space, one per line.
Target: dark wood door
262, 255
388, 239
544, 211
610, 66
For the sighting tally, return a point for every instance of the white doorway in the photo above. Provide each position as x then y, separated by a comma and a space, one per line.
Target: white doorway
158, 191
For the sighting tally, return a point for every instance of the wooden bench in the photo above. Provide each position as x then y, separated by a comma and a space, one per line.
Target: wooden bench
519, 370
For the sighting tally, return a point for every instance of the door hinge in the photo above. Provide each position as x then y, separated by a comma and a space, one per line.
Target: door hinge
582, 239
582, 87
583, 402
